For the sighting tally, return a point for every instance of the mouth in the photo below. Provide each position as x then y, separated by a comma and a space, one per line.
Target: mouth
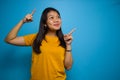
56, 25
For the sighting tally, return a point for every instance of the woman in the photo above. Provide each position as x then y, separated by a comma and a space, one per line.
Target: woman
51, 53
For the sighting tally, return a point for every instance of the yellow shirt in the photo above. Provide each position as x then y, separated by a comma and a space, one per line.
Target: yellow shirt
49, 64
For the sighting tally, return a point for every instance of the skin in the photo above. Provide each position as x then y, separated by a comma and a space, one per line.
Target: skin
54, 23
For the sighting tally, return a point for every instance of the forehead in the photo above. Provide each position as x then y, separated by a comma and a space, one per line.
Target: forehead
52, 13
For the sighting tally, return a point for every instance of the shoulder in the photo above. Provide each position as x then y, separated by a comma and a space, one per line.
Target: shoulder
30, 35
29, 38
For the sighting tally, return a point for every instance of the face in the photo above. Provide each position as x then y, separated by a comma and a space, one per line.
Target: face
53, 21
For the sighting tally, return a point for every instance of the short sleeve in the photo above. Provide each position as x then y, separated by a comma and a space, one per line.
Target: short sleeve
29, 39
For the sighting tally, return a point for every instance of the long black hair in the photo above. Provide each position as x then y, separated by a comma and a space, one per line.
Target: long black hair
43, 31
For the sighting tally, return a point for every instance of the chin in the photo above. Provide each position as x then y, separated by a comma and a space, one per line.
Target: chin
57, 28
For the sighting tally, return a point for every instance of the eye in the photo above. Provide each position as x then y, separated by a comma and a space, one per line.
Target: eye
59, 17
51, 17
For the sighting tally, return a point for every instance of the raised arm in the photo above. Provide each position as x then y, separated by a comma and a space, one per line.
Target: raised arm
12, 37
68, 55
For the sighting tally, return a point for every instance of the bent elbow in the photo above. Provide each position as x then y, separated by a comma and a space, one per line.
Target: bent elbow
6, 40
68, 68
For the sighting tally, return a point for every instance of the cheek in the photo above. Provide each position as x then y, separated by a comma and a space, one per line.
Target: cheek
60, 21
49, 22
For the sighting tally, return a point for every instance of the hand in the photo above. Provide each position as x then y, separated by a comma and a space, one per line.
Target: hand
28, 17
68, 39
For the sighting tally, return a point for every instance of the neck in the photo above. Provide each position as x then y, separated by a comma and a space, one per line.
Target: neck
51, 33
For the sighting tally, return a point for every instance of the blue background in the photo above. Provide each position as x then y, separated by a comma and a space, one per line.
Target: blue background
96, 43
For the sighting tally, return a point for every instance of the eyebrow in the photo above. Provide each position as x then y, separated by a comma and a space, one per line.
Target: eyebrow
52, 15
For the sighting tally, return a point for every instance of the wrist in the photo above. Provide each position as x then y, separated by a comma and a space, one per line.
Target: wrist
68, 47
68, 50
22, 21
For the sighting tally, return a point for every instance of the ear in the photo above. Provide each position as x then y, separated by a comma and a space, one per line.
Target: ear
45, 25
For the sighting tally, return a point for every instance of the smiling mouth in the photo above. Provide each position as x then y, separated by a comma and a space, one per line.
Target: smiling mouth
57, 25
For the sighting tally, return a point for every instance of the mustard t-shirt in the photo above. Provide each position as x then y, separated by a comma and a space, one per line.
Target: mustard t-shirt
49, 64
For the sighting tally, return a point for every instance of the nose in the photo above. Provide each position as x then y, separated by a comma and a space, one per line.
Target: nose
56, 19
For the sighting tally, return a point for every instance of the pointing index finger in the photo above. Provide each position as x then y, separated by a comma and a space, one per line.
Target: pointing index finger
72, 31
33, 11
